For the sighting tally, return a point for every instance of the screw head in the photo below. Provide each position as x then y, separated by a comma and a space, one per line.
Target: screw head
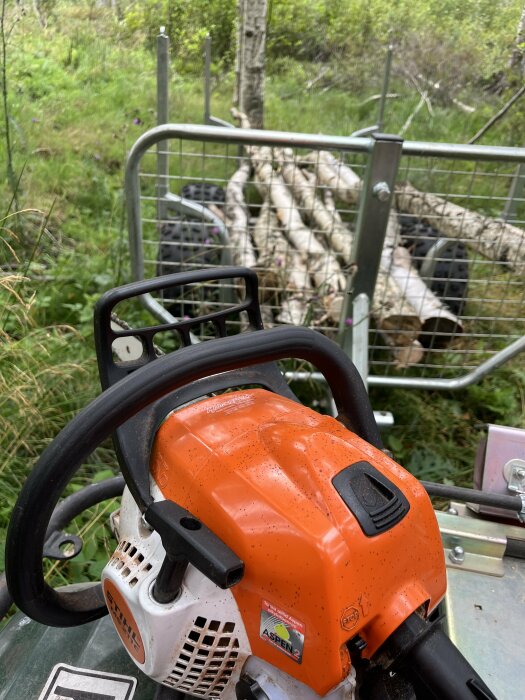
381, 191
457, 555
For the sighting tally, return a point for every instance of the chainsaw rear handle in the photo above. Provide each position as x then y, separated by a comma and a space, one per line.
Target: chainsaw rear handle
62, 458
423, 653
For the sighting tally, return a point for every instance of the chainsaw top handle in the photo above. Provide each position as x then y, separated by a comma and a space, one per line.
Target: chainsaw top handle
97, 421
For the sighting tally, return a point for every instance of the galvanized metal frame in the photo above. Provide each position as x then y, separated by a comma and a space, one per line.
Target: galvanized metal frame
371, 225
381, 169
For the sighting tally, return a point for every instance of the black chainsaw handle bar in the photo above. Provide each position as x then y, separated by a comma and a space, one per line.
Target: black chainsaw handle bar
97, 421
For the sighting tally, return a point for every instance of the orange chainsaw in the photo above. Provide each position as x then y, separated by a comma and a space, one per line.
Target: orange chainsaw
266, 552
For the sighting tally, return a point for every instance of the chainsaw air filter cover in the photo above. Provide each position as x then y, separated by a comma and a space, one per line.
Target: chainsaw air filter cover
337, 539
197, 643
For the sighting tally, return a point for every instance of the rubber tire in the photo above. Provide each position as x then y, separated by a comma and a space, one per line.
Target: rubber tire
450, 279
204, 192
183, 242
172, 258
193, 238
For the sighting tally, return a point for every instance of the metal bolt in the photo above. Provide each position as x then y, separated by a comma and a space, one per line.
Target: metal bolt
520, 473
453, 511
145, 523
457, 555
382, 191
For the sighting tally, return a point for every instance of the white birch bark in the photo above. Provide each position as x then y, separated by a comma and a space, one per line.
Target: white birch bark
336, 234
395, 260
281, 267
496, 240
237, 215
323, 265
249, 64
389, 307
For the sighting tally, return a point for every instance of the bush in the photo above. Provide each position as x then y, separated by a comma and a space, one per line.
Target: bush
343, 31
187, 24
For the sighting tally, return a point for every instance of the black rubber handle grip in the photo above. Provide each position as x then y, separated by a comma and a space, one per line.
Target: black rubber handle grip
62, 458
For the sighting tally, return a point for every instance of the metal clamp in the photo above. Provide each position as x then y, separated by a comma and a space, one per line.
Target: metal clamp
471, 544
521, 514
514, 473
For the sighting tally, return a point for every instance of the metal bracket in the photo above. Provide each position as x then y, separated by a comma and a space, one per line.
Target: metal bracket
54, 547
372, 220
471, 544
514, 473
521, 514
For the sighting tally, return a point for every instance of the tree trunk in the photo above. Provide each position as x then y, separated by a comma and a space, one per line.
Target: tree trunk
249, 62
492, 238
517, 59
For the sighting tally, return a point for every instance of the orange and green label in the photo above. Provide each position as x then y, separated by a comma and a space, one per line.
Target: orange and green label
282, 631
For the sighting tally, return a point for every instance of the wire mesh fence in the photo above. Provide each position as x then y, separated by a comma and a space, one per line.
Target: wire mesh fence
450, 213
450, 289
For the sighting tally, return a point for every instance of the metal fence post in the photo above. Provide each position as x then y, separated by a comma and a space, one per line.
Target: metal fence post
372, 221
163, 44
207, 78
384, 90
517, 188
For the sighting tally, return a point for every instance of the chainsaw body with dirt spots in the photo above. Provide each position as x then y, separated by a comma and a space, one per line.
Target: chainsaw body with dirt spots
265, 551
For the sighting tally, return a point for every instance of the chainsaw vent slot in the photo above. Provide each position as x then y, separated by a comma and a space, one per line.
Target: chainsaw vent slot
130, 563
207, 660
375, 501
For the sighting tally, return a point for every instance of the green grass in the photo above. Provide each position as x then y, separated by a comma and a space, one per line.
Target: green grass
80, 93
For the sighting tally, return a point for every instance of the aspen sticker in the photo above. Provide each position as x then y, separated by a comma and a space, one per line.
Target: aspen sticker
283, 631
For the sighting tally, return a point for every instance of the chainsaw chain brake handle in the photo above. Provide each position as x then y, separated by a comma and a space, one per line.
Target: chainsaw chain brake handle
134, 439
130, 395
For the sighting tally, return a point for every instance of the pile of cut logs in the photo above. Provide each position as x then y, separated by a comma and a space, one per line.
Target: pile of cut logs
300, 238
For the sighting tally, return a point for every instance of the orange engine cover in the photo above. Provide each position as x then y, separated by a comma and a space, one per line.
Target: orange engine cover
257, 469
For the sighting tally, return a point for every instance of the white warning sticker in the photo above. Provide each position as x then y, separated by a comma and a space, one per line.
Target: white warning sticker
70, 683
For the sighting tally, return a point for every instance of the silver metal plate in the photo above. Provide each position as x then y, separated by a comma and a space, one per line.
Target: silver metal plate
486, 619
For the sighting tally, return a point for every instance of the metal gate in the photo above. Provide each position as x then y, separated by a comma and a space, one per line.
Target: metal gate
481, 284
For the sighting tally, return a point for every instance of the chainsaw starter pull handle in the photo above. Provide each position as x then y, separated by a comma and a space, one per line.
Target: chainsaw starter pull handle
97, 421
187, 540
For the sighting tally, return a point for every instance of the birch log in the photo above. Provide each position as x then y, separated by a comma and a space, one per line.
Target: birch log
323, 265
393, 313
494, 239
405, 355
281, 268
439, 326
329, 203
435, 317
339, 178
237, 215
333, 230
